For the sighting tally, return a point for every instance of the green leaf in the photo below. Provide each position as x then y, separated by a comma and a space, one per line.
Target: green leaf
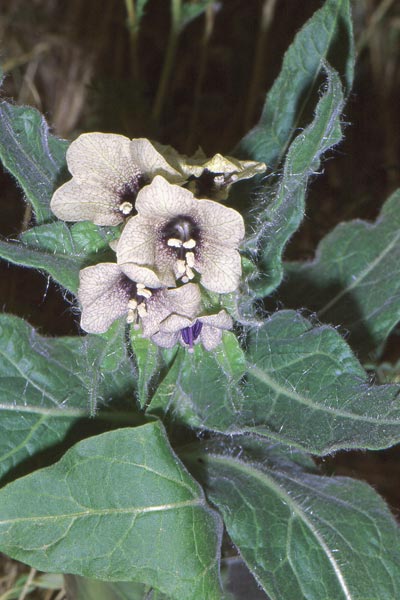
120, 507
60, 250
280, 216
354, 280
305, 387
202, 387
327, 36
151, 361
299, 384
34, 156
81, 588
303, 535
47, 385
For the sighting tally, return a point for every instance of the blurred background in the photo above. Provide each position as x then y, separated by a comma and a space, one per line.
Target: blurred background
191, 74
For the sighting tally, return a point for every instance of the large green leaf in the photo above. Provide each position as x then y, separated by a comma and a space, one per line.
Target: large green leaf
302, 535
34, 156
283, 209
82, 588
60, 250
303, 386
327, 36
121, 507
47, 385
354, 280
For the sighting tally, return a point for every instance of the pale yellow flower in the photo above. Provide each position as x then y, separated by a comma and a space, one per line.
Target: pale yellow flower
108, 171
106, 293
211, 177
206, 329
177, 235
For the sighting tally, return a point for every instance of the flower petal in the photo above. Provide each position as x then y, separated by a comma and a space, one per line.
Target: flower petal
222, 320
103, 296
145, 155
102, 159
220, 268
141, 275
165, 340
161, 201
80, 202
137, 243
220, 224
210, 337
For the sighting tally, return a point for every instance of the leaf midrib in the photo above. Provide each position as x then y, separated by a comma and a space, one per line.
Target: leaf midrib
289, 500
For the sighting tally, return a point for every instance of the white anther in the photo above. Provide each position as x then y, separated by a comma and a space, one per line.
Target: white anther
190, 259
174, 243
132, 304
180, 267
142, 312
189, 244
140, 286
189, 273
185, 279
145, 293
130, 316
126, 208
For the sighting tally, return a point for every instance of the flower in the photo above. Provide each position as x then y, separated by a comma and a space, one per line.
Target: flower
108, 171
175, 234
106, 294
211, 177
188, 332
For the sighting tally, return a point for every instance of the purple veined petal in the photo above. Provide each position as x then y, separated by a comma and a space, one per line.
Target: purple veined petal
190, 334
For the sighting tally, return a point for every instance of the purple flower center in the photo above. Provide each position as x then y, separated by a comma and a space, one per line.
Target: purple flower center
190, 334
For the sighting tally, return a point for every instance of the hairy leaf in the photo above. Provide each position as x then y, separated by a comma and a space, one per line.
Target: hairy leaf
61, 251
47, 385
327, 36
34, 156
303, 386
82, 588
303, 535
113, 508
281, 214
354, 280
202, 387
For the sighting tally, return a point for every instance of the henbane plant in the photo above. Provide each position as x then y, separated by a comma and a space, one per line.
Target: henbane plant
173, 440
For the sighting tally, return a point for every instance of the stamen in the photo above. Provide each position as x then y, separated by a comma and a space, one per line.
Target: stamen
130, 316
190, 259
189, 244
132, 304
140, 286
142, 312
180, 267
145, 293
189, 273
126, 208
190, 334
185, 279
174, 242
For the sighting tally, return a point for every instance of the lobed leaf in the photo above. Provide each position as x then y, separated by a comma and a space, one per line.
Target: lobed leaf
280, 216
302, 386
48, 385
32, 154
354, 280
302, 535
327, 36
113, 508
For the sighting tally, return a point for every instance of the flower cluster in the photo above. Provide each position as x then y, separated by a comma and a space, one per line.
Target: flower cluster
178, 244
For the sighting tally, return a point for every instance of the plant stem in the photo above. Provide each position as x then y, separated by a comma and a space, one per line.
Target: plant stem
133, 31
376, 17
259, 61
176, 6
208, 29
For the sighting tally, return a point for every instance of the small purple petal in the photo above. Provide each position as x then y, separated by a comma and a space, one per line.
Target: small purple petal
190, 334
